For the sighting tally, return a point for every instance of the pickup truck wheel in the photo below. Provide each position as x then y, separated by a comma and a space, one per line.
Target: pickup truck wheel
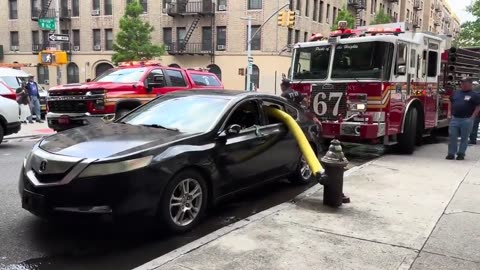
406, 141
120, 113
2, 132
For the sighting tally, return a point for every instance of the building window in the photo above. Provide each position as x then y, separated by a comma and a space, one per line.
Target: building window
328, 14
45, 37
334, 14
256, 43
215, 70
297, 36
290, 36
254, 78
35, 38
65, 45
181, 33
320, 12
167, 37
315, 10
76, 38
298, 6
222, 5
96, 4
206, 38
108, 39
144, 4
97, 40
72, 73
305, 37
108, 9
222, 36
75, 8
13, 9
14, 40
254, 4
43, 74
290, 5
307, 5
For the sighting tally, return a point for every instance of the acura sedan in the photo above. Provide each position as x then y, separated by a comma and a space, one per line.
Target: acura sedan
171, 158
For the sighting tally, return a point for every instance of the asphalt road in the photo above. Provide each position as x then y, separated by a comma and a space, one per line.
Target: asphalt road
27, 242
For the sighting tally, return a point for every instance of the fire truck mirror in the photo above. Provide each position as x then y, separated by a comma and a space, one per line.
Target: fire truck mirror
402, 70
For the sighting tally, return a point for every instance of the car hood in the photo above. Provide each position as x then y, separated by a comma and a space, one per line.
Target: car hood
108, 140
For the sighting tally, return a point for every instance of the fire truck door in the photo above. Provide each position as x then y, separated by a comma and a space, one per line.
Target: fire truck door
430, 90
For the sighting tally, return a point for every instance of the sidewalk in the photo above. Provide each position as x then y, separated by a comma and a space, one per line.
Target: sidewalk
32, 130
407, 212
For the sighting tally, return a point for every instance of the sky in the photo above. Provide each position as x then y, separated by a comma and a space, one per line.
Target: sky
459, 7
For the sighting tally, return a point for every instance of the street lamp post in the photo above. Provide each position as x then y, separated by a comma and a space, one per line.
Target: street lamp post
249, 44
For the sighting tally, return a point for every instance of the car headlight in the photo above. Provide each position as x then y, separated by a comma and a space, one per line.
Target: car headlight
357, 102
115, 167
357, 107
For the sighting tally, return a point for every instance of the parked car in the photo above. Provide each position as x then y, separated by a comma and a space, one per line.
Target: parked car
9, 112
120, 90
170, 158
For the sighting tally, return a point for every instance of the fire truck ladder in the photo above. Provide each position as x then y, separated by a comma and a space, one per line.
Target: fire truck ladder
190, 31
45, 8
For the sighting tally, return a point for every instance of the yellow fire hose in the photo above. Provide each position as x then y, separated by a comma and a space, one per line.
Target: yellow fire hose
302, 141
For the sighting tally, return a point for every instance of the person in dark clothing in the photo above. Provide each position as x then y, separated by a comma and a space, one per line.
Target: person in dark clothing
465, 105
290, 94
476, 122
34, 96
24, 103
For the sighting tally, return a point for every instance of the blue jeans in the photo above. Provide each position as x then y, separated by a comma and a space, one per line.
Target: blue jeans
459, 127
35, 107
473, 134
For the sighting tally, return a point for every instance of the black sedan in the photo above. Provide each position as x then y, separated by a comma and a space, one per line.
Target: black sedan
170, 158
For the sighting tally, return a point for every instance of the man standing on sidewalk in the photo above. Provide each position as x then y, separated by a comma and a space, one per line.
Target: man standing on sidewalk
465, 105
474, 133
34, 95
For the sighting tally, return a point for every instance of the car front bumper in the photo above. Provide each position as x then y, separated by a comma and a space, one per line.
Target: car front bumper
353, 130
134, 192
13, 128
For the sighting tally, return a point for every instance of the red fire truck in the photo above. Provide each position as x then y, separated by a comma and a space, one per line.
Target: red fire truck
120, 90
380, 84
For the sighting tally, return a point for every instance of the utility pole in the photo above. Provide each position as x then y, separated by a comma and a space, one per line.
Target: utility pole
58, 31
249, 44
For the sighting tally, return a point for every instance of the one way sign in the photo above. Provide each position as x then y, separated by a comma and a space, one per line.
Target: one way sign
59, 37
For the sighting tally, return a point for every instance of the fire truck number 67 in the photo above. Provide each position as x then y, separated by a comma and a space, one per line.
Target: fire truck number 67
320, 106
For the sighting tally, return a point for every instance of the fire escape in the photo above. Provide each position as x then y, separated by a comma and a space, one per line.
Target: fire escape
45, 14
198, 10
417, 7
358, 7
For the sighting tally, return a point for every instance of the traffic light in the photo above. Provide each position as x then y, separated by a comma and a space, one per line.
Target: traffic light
452, 59
52, 57
291, 19
282, 18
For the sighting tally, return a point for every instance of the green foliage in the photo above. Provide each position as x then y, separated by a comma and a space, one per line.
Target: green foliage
470, 31
381, 18
134, 41
344, 15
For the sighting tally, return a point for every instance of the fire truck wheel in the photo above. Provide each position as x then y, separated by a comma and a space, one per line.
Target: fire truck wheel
120, 113
407, 140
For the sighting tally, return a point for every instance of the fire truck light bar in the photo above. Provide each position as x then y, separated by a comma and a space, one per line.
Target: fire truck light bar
139, 63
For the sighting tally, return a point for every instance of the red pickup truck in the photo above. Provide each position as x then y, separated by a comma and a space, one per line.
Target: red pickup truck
120, 90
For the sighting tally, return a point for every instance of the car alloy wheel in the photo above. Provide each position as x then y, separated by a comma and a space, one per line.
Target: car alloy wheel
186, 202
305, 171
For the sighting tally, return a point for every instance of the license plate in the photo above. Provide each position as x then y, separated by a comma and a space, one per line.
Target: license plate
33, 202
64, 120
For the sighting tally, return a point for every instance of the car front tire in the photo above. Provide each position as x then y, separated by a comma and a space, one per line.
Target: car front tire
303, 174
184, 201
2, 133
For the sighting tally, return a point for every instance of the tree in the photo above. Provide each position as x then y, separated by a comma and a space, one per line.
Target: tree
470, 31
381, 17
344, 15
134, 41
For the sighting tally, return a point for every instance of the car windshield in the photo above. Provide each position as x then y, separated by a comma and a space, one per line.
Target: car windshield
190, 114
311, 63
361, 60
122, 75
204, 80
11, 81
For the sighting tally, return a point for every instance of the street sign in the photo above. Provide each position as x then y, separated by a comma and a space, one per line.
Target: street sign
59, 37
47, 23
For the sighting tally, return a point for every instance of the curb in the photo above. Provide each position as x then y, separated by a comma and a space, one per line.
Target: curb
175, 254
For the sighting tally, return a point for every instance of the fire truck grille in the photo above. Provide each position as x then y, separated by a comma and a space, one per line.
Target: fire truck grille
328, 101
67, 106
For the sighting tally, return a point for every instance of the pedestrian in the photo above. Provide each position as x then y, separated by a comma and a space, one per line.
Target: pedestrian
465, 106
24, 103
474, 133
290, 94
34, 97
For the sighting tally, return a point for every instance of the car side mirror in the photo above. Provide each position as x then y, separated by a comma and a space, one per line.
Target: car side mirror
156, 81
401, 70
233, 129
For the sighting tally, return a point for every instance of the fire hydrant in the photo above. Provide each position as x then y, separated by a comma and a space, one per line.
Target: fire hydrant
334, 163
